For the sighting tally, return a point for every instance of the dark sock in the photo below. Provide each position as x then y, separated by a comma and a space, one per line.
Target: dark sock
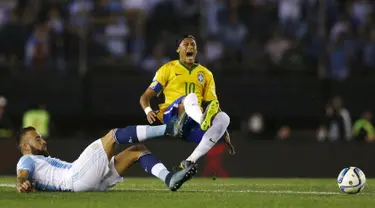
140, 133
153, 166
127, 135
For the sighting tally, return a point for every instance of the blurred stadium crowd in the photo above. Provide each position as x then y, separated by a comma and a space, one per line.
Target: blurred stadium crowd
243, 35
320, 38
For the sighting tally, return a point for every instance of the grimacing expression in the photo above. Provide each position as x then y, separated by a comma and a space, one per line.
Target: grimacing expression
188, 50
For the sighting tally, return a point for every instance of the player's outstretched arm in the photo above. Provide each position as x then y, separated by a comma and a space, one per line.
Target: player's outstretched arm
23, 184
145, 103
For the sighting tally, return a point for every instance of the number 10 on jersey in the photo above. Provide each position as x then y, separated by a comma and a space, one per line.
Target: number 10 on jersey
189, 88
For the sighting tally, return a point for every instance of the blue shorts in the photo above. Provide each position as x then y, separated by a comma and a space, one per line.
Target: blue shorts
192, 131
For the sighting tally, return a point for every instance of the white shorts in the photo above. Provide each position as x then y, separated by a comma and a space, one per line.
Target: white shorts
92, 171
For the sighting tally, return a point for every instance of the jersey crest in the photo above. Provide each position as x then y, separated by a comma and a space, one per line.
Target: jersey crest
200, 77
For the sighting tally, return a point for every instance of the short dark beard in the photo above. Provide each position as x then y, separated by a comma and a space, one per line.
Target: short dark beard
35, 151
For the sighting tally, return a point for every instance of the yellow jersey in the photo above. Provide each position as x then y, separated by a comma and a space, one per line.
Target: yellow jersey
176, 80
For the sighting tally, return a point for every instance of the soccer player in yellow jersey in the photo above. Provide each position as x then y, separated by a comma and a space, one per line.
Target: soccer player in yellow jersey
187, 86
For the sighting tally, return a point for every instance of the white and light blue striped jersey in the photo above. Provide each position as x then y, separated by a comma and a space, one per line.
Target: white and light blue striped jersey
48, 174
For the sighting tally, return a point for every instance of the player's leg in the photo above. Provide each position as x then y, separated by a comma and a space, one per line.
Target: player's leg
102, 150
93, 164
139, 153
134, 134
174, 111
190, 106
210, 137
193, 110
141, 133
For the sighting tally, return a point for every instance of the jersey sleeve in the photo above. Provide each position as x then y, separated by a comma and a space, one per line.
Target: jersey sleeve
26, 163
160, 80
210, 89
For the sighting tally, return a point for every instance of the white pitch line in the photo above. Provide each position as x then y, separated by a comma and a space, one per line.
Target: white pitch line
7, 185
216, 184
255, 184
234, 191
186, 185
190, 185
223, 191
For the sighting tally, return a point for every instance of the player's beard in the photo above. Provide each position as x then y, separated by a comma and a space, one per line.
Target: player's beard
35, 151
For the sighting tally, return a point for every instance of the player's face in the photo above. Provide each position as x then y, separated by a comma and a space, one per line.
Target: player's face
188, 51
36, 144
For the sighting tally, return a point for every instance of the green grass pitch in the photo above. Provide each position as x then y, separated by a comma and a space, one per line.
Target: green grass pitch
199, 193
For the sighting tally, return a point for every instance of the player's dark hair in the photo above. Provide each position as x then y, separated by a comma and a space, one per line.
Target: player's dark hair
183, 37
22, 133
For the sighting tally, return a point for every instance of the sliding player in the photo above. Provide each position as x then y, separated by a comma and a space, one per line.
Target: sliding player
97, 168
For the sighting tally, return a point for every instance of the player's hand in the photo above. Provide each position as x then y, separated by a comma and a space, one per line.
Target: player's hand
151, 117
25, 187
232, 151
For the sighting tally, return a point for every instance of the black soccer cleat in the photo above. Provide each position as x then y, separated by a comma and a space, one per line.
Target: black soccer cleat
186, 163
174, 127
181, 177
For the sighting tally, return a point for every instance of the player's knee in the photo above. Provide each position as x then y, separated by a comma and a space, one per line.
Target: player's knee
109, 136
137, 151
223, 118
191, 99
138, 148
